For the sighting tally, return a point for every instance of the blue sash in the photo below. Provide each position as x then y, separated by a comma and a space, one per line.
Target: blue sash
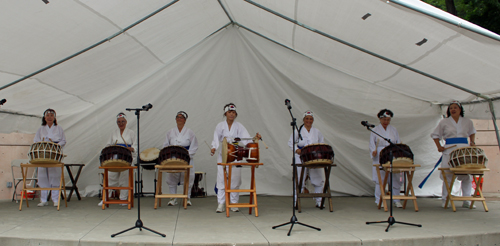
448, 141
187, 147
123, 145
300, 147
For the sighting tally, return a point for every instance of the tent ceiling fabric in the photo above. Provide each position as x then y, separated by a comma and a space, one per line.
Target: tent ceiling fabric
178, 60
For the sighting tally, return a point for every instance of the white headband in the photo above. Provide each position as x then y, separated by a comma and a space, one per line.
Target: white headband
49, 111
308, 112
183, 114
230, 107
456, 102
385, 115
121, 115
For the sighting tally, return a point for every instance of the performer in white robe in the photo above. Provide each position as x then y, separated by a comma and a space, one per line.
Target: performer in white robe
310, 135
50, 177
128, 139
229, 129
376, 145
181, 136
454, 130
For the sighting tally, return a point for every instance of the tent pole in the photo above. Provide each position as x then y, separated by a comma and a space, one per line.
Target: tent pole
492, 110
90, 47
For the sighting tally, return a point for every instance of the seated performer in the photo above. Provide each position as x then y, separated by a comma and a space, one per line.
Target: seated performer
181, 136
376, 145
454, 130
128, 139
49, 177
229, 129
310, 135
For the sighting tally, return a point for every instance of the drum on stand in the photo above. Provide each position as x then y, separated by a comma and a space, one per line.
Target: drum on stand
317, 154
233, 152
116, 156
468, 157
150, 155
45, 153
399, 157
174, 155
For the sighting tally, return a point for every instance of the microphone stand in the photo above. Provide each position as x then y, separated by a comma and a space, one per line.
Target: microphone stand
138, 223
293, 219
391, 220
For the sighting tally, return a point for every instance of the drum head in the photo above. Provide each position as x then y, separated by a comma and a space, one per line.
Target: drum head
150, 154
224, 150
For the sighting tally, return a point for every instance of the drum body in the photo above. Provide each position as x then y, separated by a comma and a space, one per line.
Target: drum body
116, 156
468, 157
150, 155
233, 152
174, 155
317, 154
45, 153
399, 157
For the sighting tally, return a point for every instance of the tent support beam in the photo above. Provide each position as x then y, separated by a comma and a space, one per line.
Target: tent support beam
465, 25
90, 47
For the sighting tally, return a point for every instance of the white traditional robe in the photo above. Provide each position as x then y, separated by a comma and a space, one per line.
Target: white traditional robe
313, 136
222, 131
120, 179
377, 143
50, 177
187, 139
448, 128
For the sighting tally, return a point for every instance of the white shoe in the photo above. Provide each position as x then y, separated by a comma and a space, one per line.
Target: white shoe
466, 204
55, 204
221, 208
172, 202
123, 204
43, 204
189, 202
398, 204
100, 204
235, 209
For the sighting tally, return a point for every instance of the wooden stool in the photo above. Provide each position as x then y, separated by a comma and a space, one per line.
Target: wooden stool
408, 170
61, 188
479, 172
227, 186
172, 169
130, 187
326, 187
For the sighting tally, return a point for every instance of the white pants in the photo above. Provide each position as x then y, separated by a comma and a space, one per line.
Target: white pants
49, 178
173, 179
235, 184
316, 177
396, 183
119, 179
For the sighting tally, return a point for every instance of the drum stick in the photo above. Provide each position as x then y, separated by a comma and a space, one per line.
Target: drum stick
209, 148
116, 141
264, 143
126, 145
450, 147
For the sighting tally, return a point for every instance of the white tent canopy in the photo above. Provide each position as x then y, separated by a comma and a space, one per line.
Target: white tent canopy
344, 60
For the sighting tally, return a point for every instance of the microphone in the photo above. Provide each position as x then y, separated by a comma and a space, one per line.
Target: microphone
147, 107
365, 123
287, 103
3, 101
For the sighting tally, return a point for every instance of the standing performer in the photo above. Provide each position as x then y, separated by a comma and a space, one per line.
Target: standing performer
229, 129
184, 137
454, 130
49, 177
310, 135
376, 145
128, 139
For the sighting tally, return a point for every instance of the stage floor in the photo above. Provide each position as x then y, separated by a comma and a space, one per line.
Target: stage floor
83, 223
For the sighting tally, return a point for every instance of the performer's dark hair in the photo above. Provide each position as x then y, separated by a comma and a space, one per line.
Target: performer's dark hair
44, 122
224, 108
383, 111
448, 114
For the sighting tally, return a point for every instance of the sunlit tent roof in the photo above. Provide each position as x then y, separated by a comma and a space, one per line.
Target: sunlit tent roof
344, 60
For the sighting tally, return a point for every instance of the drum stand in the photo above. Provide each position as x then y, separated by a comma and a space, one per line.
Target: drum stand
138, 223
391, 220
293, 219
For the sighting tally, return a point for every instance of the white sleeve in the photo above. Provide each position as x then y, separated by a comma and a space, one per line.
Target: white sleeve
243, 133
372, 144
321, 139
438, 132
133, 136
290, 141
194, 144
38, 136
62, 142
167, 141
215, 141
